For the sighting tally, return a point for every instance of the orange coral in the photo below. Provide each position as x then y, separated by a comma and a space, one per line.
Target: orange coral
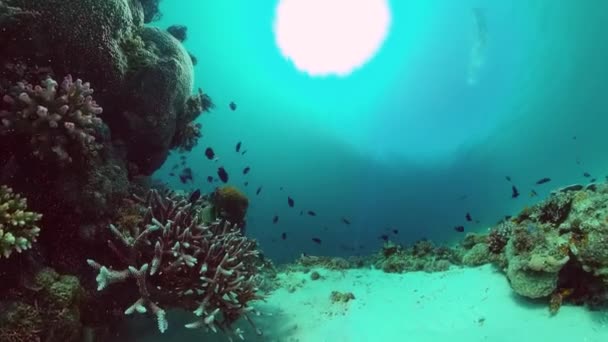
230, 203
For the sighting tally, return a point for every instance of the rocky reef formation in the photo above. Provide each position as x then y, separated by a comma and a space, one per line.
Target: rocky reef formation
78, 165
143, 74
554, 249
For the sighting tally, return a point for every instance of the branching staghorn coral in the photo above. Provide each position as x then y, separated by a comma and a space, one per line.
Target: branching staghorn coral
179, 262
18, 229
58, 120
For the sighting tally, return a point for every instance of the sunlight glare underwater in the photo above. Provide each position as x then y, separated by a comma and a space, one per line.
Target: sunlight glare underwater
331, 37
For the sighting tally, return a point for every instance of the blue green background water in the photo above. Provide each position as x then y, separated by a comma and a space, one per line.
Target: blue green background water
400, 142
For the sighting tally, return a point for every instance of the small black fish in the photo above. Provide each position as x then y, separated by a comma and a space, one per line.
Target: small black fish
257, 192
592, 180
459, 229
345, 220
384, 237
246, 183
175, 167
311, 213
290, 202
182, 157
468, 217
221, 172
172, 174
183, 163
275, 219
186, 175
232, 106
533, 193
514, 192
209, 153
246, 170
238, 146
316, 240
508, 178
586, 174
508, 217
543, 180
243, 153
209, 179
283, 236
395, 231
195, 195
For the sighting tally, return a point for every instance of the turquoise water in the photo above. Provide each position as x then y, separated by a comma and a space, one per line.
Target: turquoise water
452, 185
399, 142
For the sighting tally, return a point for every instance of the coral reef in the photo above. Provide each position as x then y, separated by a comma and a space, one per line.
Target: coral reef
145, 76
18, 226
59, 123
499, 236
177, 261
47, 308
422, 256
556, 248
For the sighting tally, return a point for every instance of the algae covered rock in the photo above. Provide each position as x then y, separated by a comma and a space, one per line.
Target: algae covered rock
477, 256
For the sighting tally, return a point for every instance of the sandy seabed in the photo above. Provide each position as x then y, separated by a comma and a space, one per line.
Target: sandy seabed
462, 304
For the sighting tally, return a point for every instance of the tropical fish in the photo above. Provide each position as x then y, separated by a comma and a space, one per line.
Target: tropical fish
232, 106
257, 192
514, 192
290, 202
209, 153
316, 240
543, 180
468, 217
275, 219
221, 172
195, 195
311, 213
459, 229
238, 146
246, 170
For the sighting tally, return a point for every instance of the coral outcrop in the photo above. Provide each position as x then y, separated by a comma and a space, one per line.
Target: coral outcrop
556, 248
18, 226
177, 261
422, 256
144, 75
46, 308
59, 122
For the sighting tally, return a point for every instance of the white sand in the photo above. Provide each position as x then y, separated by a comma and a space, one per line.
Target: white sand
472, 304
